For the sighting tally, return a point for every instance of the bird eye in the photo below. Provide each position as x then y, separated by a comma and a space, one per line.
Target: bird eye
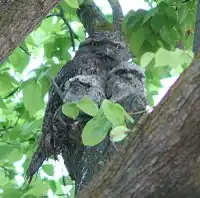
118, 46
94, 44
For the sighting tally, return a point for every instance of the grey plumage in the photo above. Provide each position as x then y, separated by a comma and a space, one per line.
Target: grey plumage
125, 85
100, 70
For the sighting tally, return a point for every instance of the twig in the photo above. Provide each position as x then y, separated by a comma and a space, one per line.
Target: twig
5, 129
73, 35
26, 51
10, 127
63, 181
12, 92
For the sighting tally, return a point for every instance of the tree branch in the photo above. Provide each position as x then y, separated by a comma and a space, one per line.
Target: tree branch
16, 24
17, 89
161, 157
196, 44
61, 15
117, 13
91, 16
25, 51
71, 32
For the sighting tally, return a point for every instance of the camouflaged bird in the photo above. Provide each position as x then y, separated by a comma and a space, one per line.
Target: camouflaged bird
95, 58
100, 70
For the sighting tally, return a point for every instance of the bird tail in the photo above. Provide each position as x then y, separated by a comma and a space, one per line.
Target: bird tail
36, 162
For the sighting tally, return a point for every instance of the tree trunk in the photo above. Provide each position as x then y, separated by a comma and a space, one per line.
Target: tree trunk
161, 157
18, 19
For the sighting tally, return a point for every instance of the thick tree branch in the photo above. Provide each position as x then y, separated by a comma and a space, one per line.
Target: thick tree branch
196, 45
161, 157
91, 16
117, 13
18, 19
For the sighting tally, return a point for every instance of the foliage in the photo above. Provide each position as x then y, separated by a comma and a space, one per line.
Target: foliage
161, 41
110, 115
154, 37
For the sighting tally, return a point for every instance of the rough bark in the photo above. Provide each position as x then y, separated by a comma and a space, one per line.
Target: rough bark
161, 157
17, 19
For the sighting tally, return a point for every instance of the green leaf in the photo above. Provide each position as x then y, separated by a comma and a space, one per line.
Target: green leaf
146, 59
73, 3
45, 84
113, 112
118, 133
58, 47
10, 190
27, 130
95, 130
29, 40
72, 192
49, 49
2, 104
68, 9
38, 189
33, 96
67, 181
174, 59
150, 99
182, 14
138, 37
19, 60
135, 18
5, 150
52, 185
70, 110
169, 35
149, 14
14, 156
170, 16
88, 106
62, 44
157, 22
7, 83
161, 72
49, 26
53, 68
48, 169
3, 177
